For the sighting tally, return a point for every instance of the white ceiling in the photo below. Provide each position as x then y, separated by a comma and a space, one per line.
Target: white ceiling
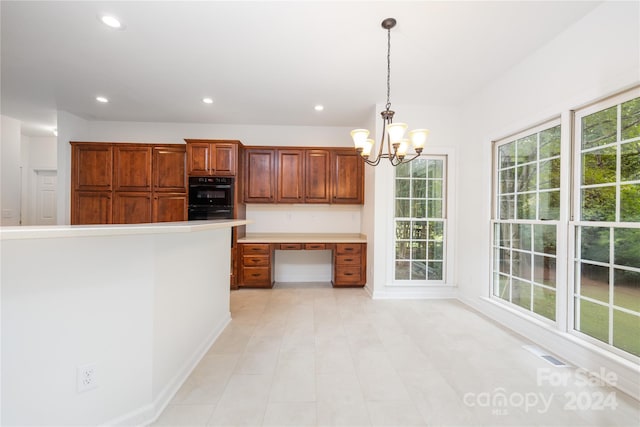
265, 62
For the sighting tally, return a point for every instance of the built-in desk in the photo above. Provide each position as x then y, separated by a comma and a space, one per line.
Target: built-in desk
255, 256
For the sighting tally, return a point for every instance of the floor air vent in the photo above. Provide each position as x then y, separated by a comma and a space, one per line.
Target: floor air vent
543, 354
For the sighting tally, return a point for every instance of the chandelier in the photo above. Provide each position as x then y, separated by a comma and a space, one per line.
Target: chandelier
392, 133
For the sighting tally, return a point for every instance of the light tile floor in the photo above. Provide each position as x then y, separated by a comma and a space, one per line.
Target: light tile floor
315, 356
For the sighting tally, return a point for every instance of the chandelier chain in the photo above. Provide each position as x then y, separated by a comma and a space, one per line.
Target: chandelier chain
388, 68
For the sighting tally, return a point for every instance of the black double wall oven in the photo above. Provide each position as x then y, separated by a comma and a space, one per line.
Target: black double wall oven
210, 197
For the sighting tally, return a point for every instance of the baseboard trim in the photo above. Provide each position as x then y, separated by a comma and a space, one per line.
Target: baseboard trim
149, 413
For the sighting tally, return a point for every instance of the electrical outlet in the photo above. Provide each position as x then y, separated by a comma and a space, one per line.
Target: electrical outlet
87, 377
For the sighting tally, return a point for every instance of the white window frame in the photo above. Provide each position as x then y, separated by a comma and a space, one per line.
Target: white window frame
560, 256
575, 222
448, 281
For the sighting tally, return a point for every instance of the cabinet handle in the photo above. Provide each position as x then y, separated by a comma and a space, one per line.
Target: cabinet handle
348, 259
348, 249
255, 274
348, 274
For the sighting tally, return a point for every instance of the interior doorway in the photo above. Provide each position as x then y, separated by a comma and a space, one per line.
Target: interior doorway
44, 197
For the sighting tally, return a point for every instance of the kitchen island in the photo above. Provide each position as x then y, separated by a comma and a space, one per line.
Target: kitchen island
135, 306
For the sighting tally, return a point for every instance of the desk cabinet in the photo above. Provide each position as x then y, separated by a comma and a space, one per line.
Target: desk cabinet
255, 265
349, 264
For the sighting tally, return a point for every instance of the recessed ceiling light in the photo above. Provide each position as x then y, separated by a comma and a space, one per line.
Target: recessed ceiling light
318, 107
102, 99
207, 100
111, 21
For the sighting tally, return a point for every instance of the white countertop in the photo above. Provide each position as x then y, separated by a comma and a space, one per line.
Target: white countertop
303, 238
58, 231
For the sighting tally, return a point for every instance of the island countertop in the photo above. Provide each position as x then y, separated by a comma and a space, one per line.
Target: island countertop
58, 231
303, 238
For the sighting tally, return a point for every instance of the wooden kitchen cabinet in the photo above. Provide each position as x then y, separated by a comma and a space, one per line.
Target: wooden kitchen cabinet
349, 264
255, 265
208, 158
347, 169
132, 167
169, 169
91, 207
303, 175
169, 207
91, 167
132, 208
290, 171
317, 176
123, 183
260, 176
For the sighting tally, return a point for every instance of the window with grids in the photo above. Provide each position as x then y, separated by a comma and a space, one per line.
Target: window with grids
606, 297
420, 220
527, 211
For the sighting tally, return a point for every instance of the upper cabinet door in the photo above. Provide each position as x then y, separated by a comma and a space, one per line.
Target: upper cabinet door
317, 186
348, 177
199, 158
169, 173
260, 177
225, 159
132, 168
92, 167
290, 188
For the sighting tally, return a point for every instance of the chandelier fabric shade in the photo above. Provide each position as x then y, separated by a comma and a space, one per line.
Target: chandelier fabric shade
393, 134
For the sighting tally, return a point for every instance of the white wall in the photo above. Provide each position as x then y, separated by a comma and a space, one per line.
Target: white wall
142, 308
596, 57
11, 161
176, 133
444, 124
70, 128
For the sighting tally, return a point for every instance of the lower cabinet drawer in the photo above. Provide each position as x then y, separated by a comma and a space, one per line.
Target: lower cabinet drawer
347, 275
348, 260
314, 246
256, 276
290, 246
255, 261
